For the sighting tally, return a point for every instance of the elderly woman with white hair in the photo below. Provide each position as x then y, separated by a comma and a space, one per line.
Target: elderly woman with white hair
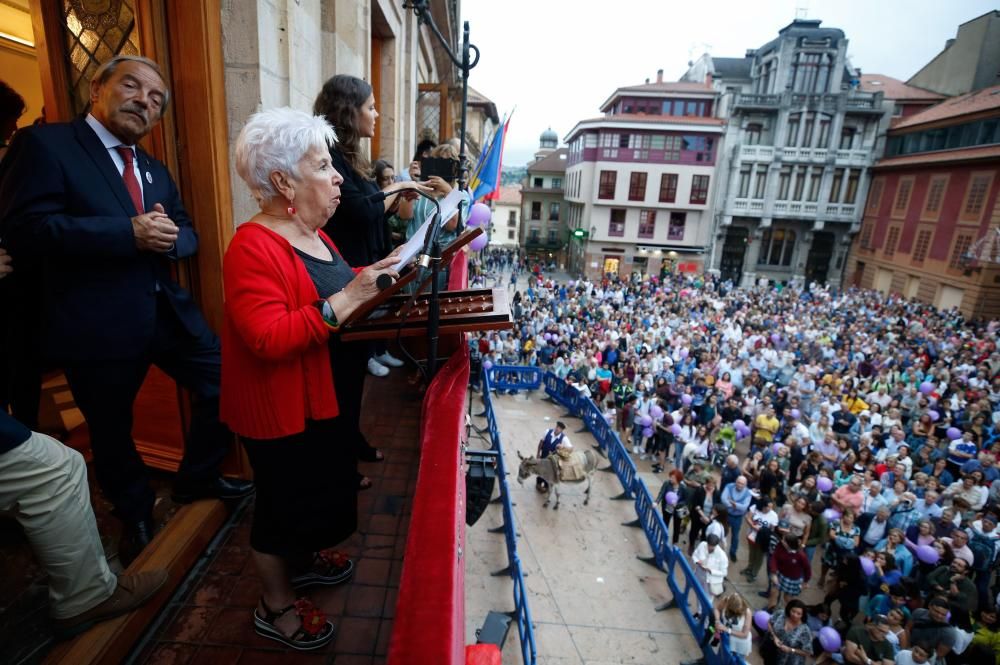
287, 290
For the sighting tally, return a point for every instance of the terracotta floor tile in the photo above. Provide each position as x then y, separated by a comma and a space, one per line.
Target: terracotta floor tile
395, 573
372, 571
384, 635
389, 606
352, 659
365, 601
190, 624
393, 470
286, 657
379, 546
331, 600
231, 560
245, 592
356, 635
234, 626
212, 589
170, 653
216, 655
394, 486
383, 524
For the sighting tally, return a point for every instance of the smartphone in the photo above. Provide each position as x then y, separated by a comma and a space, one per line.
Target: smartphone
446, 169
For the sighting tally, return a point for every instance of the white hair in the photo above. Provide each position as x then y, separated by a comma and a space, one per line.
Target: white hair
277, 140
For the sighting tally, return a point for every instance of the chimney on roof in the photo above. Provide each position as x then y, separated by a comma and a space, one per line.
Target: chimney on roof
647, 80
948, 43
659, 76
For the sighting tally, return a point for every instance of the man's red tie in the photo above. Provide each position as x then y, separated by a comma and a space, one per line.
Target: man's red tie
128, 175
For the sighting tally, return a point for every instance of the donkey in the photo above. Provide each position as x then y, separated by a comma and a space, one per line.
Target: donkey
546, 470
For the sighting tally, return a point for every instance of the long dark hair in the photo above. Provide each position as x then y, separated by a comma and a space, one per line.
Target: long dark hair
339, 102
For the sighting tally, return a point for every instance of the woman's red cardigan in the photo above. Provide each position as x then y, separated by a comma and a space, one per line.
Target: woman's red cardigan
275, 357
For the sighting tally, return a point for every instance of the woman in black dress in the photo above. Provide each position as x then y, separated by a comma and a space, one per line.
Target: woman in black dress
358, 229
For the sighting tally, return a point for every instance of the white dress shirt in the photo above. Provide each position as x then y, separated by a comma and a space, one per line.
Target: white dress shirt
111, 142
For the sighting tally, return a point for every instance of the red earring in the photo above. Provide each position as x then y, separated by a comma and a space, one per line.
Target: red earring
291, 211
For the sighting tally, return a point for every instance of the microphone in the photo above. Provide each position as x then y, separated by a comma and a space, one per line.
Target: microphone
383, 281
377, 196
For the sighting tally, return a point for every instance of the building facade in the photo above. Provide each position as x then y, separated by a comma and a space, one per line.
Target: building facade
970, 61
640, 179
505, 229
800, 139
543, 232
932, 216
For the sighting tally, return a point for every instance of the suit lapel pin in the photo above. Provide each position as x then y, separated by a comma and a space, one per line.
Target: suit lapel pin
149, 178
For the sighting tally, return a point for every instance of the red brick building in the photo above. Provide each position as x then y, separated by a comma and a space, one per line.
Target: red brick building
933, 201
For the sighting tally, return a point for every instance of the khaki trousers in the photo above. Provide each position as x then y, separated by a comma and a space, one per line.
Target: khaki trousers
43, 484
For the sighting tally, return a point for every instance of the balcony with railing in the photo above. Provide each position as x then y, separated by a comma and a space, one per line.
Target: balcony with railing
748, 206
756, 101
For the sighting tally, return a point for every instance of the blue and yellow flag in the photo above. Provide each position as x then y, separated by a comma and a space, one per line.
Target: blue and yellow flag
486, 176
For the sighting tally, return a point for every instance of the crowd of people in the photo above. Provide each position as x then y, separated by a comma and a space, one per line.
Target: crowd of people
843, 439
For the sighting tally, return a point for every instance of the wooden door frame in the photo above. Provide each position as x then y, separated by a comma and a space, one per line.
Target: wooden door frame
185, 39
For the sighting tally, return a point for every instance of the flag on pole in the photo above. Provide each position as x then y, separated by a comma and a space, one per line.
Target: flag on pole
486, 176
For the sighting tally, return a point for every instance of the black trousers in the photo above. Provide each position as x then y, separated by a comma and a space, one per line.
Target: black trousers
105, 392
349, 363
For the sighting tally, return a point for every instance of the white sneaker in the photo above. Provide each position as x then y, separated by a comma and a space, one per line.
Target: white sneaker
635, 450
389, 360
376, 368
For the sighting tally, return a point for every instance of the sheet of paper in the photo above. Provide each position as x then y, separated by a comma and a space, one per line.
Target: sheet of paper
413, 246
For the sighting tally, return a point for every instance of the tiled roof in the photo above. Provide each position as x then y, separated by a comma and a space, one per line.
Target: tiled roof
510, 195
962, 154
896, 89
645, 117
553, 162
732, 68
974, 102
668, 86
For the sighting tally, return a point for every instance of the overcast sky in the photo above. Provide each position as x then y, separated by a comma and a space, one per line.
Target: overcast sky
557, 60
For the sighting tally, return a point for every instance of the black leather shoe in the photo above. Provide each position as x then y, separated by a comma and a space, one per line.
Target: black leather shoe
135, 537
218, 488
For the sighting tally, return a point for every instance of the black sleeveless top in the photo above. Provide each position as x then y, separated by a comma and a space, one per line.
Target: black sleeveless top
329, 277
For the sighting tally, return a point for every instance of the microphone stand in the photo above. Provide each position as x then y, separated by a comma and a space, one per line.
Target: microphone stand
429, 259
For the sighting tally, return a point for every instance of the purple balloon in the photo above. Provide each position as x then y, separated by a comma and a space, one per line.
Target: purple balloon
647, 432
824, 484
671, 498
686, 400
796, 414
646, 421
656, 412
683, 353
867, 565
547, 336
775, 446
954, 433
927, 387
675, 429
761, 619
831, 514
739, 424
479, 215
478, 242
829, 639
928, 554
487, 365
775, 337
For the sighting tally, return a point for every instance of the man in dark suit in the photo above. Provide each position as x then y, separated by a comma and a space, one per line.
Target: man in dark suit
104, 222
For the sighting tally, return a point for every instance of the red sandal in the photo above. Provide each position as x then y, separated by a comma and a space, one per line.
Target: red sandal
329, 567
314, 630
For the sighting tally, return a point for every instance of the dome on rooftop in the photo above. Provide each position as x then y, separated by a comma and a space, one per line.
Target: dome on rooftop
548, 139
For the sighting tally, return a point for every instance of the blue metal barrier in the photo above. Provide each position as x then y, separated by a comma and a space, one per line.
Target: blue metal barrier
522, 613
680, 576
515, 377
692, 600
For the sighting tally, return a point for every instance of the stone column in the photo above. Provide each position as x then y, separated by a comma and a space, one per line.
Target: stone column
750, 258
